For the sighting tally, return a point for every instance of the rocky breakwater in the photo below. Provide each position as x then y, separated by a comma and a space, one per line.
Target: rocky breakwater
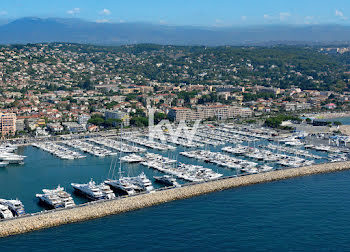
101, 209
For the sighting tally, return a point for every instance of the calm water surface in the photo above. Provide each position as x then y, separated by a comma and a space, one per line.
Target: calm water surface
309, 213
302, 214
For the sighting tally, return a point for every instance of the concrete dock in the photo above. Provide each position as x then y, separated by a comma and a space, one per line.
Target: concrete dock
101, 209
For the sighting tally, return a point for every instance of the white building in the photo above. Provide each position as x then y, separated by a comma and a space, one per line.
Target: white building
120, 115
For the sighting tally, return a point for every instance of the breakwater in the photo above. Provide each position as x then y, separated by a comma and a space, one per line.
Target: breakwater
101, 209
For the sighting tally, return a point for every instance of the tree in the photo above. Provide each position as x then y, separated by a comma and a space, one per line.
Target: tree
86, 84
275, 122
139, 121
97, 120
158, 117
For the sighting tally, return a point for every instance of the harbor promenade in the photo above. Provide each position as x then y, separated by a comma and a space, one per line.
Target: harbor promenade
100, 209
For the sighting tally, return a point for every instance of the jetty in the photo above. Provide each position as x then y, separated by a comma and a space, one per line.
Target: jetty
99, 209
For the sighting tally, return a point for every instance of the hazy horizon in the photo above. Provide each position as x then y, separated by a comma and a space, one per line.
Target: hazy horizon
185, 13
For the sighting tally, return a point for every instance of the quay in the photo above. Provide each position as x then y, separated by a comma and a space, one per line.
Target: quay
92, 210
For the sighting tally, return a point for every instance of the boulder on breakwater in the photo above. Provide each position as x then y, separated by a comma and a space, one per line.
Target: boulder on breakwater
100, 209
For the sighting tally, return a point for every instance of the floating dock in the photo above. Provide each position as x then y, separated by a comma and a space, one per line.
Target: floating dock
100, 209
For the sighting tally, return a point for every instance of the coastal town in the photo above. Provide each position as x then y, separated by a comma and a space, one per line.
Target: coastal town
53, 89
174, 125
96, 111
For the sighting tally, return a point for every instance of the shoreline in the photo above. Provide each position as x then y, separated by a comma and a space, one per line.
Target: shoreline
101, 209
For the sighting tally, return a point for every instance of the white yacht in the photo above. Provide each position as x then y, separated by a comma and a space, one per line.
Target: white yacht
65, 198
5, 212
106, 190
12, 158
7, 148
15, 206
143, 182
167, 180
132, 158
90, 190
121, 184
51, 200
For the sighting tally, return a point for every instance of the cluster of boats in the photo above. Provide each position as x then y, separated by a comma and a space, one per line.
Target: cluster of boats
323, 148
11, 208
117, 145
131, 185
7, 156
178, 141
268, 156
148, 143
226, 161
58, 198
193, 173
224, 137
235, 134
58, 150
248, 131
294, 151
196, 139
89, 148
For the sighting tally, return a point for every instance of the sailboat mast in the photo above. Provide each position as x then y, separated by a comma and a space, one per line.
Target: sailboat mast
120, 157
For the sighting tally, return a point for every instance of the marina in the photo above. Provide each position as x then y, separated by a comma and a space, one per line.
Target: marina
74, 162
89, 148
149, 143
117, 145
58, 150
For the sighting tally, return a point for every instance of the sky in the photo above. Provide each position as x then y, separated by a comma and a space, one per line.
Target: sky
185, 12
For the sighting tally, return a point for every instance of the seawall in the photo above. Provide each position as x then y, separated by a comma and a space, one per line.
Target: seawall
101, 209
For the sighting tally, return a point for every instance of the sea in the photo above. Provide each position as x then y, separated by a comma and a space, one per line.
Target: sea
343, 120
301, 214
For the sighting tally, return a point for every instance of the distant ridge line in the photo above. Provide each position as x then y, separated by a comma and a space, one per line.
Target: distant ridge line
40, 30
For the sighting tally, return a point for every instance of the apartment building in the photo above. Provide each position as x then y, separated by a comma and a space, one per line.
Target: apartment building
8, 124
120, 115
221, 112
180, 114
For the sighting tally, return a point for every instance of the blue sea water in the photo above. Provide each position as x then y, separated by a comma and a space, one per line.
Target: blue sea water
343, 120
302, 214
43, 170
309, 213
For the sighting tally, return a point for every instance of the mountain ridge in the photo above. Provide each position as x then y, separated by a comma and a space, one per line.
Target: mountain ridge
39, 30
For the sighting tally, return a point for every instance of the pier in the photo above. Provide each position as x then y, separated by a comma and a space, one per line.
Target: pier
99, 209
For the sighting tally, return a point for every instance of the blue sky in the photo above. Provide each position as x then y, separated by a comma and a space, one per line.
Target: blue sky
185, 12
